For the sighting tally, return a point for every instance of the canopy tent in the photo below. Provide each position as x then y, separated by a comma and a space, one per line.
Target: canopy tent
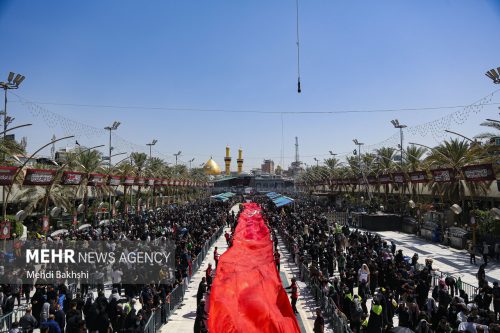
223, 196
279, 200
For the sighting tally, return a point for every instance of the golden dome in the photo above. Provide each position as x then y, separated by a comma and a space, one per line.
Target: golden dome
211, 168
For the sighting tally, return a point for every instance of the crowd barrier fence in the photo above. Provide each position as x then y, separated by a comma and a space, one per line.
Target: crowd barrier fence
161, 314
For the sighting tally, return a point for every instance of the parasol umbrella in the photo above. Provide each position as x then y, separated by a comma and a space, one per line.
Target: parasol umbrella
59, 232
84, 226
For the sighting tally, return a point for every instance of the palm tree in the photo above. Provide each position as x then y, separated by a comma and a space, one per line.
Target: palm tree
155, 168
126, 169
456, 154
88, 162
413, 157
139, 161
10, 148
42, 196
489, 135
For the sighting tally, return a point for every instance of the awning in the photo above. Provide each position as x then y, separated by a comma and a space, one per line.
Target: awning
223, 196
279, 200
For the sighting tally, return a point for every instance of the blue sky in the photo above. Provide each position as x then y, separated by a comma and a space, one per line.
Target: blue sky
235, 55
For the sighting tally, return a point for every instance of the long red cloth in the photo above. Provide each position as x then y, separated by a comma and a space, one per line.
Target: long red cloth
247, 294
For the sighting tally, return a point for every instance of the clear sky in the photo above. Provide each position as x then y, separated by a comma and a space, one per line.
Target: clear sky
241, 55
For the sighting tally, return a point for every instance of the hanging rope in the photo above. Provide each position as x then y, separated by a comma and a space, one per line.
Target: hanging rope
299, 90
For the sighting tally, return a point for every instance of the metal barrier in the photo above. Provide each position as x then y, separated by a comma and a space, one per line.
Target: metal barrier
326, 303
7, 320
160, 316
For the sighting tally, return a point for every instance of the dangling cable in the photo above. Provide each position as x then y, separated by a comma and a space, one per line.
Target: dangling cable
298, 49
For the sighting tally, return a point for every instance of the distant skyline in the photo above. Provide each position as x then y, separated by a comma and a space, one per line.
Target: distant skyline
182, 60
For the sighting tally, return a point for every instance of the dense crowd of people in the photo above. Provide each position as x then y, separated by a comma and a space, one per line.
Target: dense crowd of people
355, 268
81, 307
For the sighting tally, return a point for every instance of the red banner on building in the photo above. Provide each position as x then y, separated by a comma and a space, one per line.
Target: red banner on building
41, 177
418, 177
128, 181
442, 175
7, 175
150, 182
372, 180
114, 180
139, 181
96, 179
398, 177
5, 230
478, 173
158, 181
71, 178
166, 182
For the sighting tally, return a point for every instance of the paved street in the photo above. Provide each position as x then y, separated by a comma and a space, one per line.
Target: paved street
445, 259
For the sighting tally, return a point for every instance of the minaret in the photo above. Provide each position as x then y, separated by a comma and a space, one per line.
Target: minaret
227, 161
240, 161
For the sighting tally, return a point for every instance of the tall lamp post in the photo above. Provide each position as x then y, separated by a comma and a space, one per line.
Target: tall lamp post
13, 82
111, 128
396, 124
176, 156
332, 153
359, 144
151, 144
317, 162
190, 161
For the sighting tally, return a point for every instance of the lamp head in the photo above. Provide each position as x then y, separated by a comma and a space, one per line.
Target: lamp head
494, 75
19, 79
154, 141
11, 77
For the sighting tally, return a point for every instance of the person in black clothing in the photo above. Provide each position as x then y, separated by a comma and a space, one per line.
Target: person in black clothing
496, 298
294, 295
73, 318
202, 289
201, 316
319, 322
28, 322
59, 317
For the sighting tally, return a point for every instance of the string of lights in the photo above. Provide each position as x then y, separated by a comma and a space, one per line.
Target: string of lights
434, 128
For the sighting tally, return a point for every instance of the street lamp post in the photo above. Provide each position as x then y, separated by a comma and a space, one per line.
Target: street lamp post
111, 128
176, 156
6, 197
332, 153
396, 124
190, 161
13, 82
317, 162
359, 144
151, 144
462, 136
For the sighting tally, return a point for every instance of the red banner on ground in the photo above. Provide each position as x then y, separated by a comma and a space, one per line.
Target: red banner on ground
247, 294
